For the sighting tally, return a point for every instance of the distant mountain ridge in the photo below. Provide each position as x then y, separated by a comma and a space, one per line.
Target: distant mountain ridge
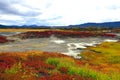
23, 26
85, 25
105, 24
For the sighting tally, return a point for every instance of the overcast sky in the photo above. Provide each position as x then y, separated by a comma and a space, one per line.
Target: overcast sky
58, 12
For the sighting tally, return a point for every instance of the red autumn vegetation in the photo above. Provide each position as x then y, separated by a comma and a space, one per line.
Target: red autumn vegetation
109, 35
3, 39
62, 33
36, 65
24, 65
32, 68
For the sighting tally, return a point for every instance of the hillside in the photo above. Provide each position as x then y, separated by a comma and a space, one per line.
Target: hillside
102, 25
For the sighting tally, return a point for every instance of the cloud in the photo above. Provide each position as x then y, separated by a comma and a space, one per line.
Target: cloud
58, 12
6, 8
14, 8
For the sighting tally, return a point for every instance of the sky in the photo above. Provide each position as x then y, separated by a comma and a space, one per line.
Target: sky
58, 12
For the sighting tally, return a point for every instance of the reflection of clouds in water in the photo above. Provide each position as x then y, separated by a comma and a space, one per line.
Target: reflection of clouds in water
108, 40
58, 41
75, 48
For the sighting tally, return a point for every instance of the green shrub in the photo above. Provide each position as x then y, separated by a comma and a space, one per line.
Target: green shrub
53, 61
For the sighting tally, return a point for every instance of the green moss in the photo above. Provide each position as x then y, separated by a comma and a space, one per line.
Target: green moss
114, 59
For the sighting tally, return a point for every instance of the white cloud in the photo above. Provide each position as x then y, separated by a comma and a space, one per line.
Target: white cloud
64, 12
10, 17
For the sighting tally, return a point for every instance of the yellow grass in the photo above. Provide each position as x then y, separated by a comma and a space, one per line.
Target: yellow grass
21, 30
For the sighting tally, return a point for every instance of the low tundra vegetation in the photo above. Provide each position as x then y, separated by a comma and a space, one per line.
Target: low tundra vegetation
97, 63
62, 34
105, 57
